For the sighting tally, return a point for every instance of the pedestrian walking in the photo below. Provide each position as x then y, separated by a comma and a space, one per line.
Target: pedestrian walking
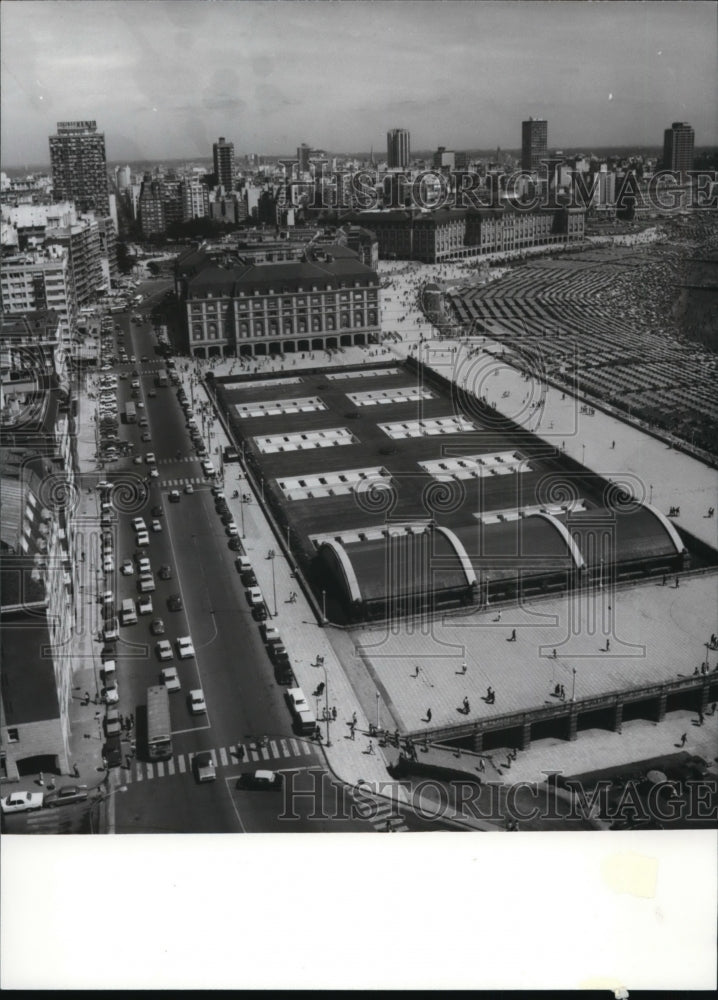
334, 712
482, 766
416, 672
513, 635
87, 697
428, 715
562, 692
554, 654
498, 617
75, 771
352, 727
608, 645
678, 582
463, 667
466, 706
684, 737
371, 748
41, 780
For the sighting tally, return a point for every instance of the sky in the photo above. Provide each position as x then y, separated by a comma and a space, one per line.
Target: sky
166, 78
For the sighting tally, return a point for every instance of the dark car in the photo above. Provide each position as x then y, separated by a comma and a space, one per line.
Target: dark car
226, 518
157, 511
259, 612
165, 572
66, 795
174, 602
249, 579
235, 544
112, 752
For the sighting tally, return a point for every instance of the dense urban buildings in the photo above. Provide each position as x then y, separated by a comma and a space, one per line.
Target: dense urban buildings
534, 143
398, 148
678, 142
79, 166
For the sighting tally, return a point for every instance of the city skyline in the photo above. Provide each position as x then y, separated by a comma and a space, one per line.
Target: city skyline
168, 84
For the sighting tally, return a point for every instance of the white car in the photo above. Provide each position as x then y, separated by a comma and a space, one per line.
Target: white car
111, 630
127, 568
170, 678
17, 802
154, 472
164, 650
185, 649
143, 565
189, 488
144, 605
138, 523
156, 525
108, 564
107, 597
110, 692
143, 538
232, 530
146, 583
207, 467
196, 702
150, 458
174, 496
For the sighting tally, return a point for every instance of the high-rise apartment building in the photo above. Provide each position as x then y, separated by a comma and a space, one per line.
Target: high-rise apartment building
303, 153
79, 166
398, 149
534, 143
223, 155
678, 142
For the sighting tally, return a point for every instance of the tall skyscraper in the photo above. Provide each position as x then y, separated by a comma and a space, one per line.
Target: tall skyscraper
223, 154
398, 150
678, 142
79, 166
303, 153
534, 143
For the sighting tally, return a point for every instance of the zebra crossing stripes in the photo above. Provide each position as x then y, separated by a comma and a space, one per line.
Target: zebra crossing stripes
193, 480
223, 757
172, 461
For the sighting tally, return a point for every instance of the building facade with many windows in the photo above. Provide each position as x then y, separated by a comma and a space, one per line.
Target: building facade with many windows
79, 166
267, 308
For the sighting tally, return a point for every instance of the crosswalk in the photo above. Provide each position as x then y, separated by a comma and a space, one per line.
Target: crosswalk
230, 756
192, 480
173, 461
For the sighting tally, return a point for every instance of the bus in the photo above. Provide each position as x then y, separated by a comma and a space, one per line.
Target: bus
161, 379
130, 413
159, 732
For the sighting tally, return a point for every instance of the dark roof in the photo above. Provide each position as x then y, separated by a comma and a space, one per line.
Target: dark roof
29, 690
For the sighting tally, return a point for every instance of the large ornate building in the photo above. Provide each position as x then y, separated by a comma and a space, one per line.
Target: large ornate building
241, 307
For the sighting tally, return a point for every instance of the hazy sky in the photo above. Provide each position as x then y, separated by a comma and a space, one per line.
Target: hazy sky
165, 79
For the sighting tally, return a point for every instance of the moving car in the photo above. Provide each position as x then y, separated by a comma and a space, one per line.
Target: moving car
185, 649
157, 627
174, 496
189, 488
261, 780
170, 678
174, 602
17, 802
157, 511
156, 525
112, 751
66, 795
165, 572
150, 458
196, 702
146, 583
144, 605
154, 472
204, 767
164, 650
127, 568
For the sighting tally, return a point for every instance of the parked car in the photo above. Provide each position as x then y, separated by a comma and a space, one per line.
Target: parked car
235, 544
17, 802
110, 692
143, 538
146, 583
66, 795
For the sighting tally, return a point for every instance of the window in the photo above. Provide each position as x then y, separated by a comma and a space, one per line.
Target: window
13, 736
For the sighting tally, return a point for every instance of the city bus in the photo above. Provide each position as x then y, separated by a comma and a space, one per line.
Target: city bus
159, 732
130, 413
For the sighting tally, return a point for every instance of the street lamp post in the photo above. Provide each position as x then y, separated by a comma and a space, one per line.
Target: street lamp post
573, 686
324, 605
327, 716
272, 555
650, 494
